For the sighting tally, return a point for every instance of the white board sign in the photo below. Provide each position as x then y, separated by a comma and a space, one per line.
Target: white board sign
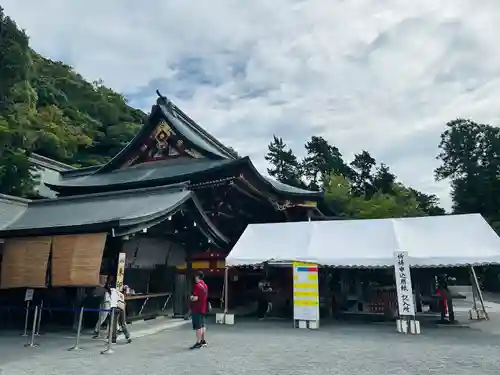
28, 296
120, 272
404, 290
305, 292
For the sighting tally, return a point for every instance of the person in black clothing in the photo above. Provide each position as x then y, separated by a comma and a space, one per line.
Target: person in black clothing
263, 299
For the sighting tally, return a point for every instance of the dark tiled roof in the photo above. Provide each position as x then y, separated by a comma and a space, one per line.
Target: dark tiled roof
159, 170
164, 110
201, 140
164, 172
78, 172
129, 210
45, 162
11, 208
287, 188
98, 208
197, 129
216, 156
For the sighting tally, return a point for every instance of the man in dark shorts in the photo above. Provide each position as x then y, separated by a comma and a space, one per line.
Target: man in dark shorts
199, 309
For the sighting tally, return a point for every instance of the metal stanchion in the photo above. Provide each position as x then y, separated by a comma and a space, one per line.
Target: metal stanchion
98, 333
26, 318
32, 344
37, 333
109, 349
78, 332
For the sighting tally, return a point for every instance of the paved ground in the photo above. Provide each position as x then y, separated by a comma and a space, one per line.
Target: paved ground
273, 348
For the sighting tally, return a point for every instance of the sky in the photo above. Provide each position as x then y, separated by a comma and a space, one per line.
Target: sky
377, 75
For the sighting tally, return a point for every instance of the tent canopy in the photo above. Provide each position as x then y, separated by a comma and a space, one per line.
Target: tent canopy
433, 241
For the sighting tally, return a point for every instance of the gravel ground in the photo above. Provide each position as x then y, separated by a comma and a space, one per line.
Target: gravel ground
276, 348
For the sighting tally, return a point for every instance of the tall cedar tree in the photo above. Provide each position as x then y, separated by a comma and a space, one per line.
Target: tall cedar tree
285, 166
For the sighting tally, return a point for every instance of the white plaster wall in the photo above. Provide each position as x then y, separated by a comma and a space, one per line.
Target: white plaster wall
145, 253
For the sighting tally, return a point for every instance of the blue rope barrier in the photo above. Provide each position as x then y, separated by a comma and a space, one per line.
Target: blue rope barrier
12, 307
74, 309
54, 309
96, 310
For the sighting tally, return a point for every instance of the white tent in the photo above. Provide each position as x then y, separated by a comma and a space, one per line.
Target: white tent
451, 240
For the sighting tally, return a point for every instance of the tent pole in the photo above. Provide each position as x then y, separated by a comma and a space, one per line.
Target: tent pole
226, 285
478, 289
474, 292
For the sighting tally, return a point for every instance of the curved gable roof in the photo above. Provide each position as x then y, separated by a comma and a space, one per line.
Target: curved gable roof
216, 157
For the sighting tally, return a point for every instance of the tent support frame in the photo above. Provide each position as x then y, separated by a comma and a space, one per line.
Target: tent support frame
478, 291
226, 287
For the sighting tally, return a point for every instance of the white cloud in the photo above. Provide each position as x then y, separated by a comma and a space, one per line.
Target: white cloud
380, 75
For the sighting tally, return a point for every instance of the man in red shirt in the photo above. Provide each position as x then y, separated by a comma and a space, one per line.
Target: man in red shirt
199, 309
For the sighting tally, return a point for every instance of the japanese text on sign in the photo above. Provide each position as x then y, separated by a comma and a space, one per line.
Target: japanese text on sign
120, 271
406, 305
305, 291
28, 296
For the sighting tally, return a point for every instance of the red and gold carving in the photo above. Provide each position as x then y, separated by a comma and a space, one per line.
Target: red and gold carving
162, 144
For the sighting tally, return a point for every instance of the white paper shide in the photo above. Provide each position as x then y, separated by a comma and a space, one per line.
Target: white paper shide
406, 304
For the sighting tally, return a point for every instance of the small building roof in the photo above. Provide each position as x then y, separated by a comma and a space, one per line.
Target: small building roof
120, 212
11, 208
45, 162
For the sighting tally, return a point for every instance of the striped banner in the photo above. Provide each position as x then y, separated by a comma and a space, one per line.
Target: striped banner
305, 291
303, 303
313, 294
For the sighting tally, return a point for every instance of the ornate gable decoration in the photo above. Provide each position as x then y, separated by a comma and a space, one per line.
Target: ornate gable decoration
162, 144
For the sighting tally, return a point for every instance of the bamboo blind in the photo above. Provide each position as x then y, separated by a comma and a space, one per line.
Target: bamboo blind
24, 262
76, 259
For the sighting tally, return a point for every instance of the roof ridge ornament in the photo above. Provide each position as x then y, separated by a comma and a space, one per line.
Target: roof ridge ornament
163, 100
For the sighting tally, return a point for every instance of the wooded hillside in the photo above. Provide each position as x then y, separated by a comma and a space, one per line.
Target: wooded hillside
48, 108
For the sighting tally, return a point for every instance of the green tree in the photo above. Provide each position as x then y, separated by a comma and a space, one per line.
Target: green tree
338, 195
383, 179
285, 165
48, 108
323, 159
383, 206
402, 203
428, 203
15, 61
362, 179
16, 172
470, 158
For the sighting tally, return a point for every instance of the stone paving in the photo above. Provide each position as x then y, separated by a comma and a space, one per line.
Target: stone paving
275, 348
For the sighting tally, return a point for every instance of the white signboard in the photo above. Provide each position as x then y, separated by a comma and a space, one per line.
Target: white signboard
406, 304
305, 292
120, 272
28, 296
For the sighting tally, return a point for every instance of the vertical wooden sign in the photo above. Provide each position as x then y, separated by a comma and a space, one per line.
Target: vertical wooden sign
120, 272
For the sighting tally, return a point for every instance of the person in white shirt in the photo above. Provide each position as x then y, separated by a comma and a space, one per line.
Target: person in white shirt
117, 302
105, 305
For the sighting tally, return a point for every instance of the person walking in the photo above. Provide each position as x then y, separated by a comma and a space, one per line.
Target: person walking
104, 305
264, 305
117, 302
199, 309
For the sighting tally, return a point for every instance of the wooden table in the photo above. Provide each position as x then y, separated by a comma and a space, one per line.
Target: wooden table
147, 297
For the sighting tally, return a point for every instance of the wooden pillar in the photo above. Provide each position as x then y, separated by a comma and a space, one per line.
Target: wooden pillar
189, 282
359, 290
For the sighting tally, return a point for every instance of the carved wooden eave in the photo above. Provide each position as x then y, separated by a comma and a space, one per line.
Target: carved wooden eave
277, 204
227, 181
